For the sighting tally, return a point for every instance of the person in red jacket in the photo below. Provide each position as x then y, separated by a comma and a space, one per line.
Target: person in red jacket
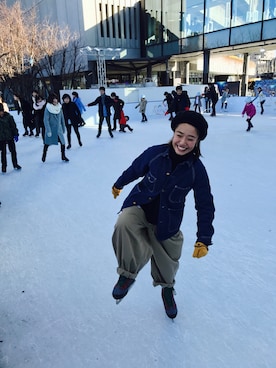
123, 123
250, 110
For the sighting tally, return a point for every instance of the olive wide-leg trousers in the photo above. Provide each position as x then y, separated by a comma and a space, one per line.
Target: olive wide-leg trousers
135, 243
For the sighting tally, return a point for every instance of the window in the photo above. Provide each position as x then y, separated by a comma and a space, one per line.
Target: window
246, 11
218, 14
269, 9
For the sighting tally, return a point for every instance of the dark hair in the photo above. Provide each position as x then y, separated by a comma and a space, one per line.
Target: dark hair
178, 88
75, 94
102, 88
38, 97
127, 117
51, 97
113, 94
66, 96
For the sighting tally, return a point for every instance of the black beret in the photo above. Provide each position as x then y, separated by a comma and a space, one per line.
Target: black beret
193, 118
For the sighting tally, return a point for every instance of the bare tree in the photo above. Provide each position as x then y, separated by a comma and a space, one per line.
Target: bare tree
32, 51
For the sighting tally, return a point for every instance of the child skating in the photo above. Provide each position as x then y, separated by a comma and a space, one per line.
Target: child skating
250, 111
123, 123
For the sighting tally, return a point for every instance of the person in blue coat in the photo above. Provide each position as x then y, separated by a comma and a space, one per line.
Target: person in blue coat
80, 105
148, 227
54, 126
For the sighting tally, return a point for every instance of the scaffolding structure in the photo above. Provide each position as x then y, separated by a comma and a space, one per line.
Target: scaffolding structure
101, 61
101, 68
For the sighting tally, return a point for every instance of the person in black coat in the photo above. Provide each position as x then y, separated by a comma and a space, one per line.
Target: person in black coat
39, 105
104, 102
8, 136
118, 105
25, 107
181, 101
214, 98
72, 117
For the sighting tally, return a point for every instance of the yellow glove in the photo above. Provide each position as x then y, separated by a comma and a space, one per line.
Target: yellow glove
115, 192
200, 250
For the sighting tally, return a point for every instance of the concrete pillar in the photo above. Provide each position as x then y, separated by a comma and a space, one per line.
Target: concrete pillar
206, 65
187, 72
244, 81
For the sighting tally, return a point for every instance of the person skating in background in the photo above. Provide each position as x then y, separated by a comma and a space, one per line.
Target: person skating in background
118, 105
142, 108
54, 126
104, 103
72, 117
148, 226
261, 99
123, 123
38, 115
181, 101
197, 102
224, 98
250, 111
207, 99
80, 105
25, 108
214, 98
168, 99
8, 136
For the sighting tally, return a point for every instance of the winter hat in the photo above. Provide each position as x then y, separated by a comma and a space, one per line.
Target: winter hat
248, 99
143, 96
193, 118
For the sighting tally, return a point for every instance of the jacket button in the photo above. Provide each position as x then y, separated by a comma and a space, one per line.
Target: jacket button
134, 203
168, 173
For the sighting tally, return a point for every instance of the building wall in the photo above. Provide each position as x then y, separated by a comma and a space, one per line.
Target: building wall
99, 23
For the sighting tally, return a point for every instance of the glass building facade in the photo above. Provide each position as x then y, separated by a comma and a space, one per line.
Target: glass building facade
183, 26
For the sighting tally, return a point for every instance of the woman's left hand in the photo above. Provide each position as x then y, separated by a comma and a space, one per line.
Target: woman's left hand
200, 250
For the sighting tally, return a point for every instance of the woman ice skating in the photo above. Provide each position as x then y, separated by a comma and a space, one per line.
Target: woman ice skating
148, 226
72, 117
54, 126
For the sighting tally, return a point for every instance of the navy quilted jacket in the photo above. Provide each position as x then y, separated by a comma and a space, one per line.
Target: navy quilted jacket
155, 166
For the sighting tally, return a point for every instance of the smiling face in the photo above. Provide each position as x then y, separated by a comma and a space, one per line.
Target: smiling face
184, 139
